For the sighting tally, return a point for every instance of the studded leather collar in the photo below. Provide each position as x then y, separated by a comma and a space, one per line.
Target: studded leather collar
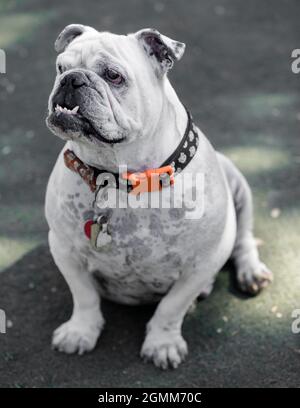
174, 164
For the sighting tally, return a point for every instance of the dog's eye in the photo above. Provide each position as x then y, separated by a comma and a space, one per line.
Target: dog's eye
113, 76
60, 68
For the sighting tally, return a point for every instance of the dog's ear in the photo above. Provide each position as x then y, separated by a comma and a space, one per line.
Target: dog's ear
162, 50
68, 34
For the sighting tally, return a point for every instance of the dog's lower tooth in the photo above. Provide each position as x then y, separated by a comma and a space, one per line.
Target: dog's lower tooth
73, 111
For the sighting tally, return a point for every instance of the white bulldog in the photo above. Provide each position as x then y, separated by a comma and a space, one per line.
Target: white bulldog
114, 105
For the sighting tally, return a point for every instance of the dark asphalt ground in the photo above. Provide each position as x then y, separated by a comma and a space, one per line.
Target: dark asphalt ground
236, 79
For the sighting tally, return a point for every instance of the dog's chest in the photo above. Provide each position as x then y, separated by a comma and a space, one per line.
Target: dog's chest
148, 251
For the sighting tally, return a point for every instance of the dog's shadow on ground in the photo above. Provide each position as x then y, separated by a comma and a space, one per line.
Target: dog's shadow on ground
233, 289
36, 300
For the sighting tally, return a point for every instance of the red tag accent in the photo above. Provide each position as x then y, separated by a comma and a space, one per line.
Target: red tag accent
87, 228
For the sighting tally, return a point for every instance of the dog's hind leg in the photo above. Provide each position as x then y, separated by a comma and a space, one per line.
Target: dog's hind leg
252, 274
80, 333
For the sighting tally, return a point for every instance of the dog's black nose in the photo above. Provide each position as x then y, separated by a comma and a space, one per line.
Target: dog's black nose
74, 79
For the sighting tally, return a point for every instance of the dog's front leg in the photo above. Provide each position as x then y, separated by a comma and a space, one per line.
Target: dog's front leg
164, 344
80, 333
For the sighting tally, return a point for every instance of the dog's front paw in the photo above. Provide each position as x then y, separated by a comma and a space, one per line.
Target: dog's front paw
77, 336
252, 280
164, 348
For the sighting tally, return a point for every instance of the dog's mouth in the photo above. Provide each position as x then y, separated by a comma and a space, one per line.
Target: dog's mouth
59, 109
70, 120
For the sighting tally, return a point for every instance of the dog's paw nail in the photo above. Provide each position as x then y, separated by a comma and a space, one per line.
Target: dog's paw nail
254, 287
174, 365
165, 350
252, 280
73, 337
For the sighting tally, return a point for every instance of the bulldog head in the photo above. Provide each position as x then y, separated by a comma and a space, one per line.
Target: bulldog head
109, 88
